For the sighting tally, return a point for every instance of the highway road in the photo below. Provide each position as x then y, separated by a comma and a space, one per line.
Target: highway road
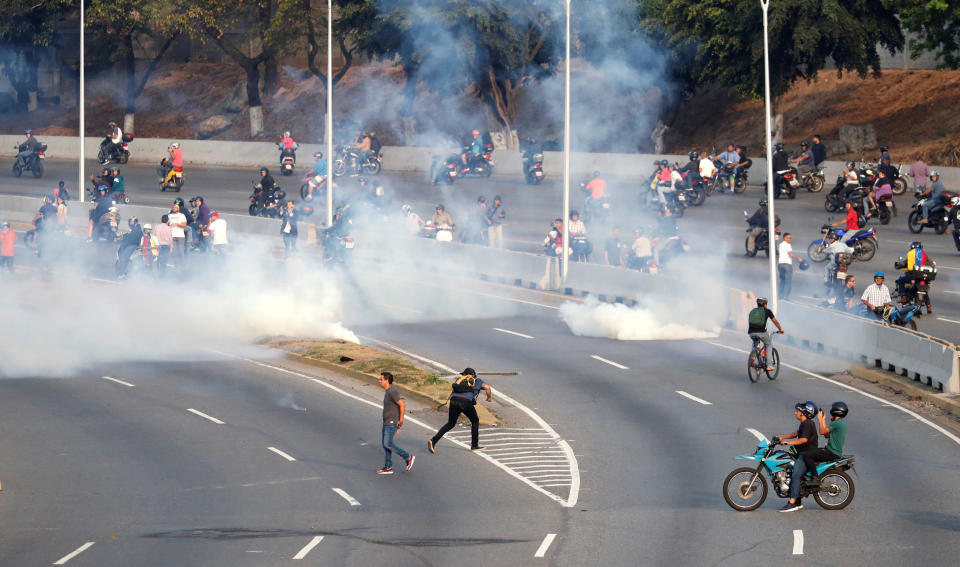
152, 451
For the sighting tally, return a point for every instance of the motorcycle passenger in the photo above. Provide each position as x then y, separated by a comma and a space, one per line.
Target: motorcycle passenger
758, 222
288, 147
884, 154
876, 296
664, 185
553, 242
836, 434
441, 217
805, 160
757, 324
118, 187
781, 164
881, 189
934, 197
112, 142
375, 145
318, 173
916, 257
744, 163
805, 440
28, 148
819, 151
105, 178
130, 242
730, 158
473, 150
692, 167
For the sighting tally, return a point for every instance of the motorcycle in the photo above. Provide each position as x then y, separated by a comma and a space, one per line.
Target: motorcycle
288, 159
694, 190
790, 182
887, 209
170, 177
444, 169
669, 249
745, 488
917, 287
940, 216
533, 168
348, 162
762, 240
33, 163
305, 193
863, 242
266, 203
725, 172
117, 196
835, 279
337, 250
581, 248
117, 155
595, 210
813, 180
107, 226
676, 199
441, 232
481, 165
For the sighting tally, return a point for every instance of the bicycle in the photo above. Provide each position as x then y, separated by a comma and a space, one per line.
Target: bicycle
757, 361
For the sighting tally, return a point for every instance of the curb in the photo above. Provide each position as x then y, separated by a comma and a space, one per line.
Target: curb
913, 388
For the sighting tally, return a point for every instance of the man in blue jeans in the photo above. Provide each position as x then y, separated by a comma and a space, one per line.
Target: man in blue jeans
393, 410
462, 401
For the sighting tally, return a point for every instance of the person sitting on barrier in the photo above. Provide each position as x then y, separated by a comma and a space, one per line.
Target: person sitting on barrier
877, 296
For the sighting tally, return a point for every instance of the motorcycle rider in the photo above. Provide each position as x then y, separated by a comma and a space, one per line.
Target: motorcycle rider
532, 148
117, 187
916, 257
28, 148
730, 158
361, 146
819, 151
130, 242
318, 173
757, 324
781, 162
757, 223
102, 207
805, 439
577, 228
105, 178
176, 160
472, 151
805, 160
441, 217
265, 188
934, 197
692, 167
876, 296
288, 147
851, 222
847, 182
112, 142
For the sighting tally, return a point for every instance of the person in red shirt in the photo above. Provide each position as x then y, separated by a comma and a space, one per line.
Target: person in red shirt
176, 154
851, 221
8, 238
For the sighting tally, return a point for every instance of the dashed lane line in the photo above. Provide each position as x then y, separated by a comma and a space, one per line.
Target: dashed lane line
610, 362
205, 416
281, 453
63, 560
542, 550
694, 398
948, 320
509, 332
127, 384
798, 542
309, 547
849, 388
343, 493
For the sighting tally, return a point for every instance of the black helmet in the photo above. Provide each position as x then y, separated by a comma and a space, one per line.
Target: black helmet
440, 207
596, 173
692, 155
884, 148
807, 408
761, 301
264, 170
915, 244
851, 164
28, 133
778, 146
469, 371
178, 201
197, 198
763, 202
804, 143
318, 155
839, 409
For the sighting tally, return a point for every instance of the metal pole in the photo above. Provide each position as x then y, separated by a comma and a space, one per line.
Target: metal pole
80, 186
329, 127
771, 213
564, 258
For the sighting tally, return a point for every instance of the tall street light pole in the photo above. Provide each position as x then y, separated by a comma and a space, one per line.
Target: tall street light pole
80, 189
771, 214
564, 258
329, 127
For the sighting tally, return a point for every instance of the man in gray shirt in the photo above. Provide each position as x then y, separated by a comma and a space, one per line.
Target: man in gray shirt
393, 410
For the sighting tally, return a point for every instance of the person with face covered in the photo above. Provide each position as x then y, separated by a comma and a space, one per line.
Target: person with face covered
130, 242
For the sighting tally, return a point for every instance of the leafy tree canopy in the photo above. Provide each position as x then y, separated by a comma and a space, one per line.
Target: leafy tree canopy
937, 26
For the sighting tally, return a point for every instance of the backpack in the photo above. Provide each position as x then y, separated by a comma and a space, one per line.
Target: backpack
757, 317
464, 384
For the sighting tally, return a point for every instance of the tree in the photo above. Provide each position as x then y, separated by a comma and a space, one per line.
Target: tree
267, 22
27, 25
118, 25
937, 26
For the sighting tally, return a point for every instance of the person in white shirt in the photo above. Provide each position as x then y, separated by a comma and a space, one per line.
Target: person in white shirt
642, 250
707, 169
876, 296
218, 233
785, 265
177, 222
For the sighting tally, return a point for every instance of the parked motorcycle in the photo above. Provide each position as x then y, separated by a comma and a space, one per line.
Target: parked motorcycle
863, 242
117, 154
813, 180
745, 488
940, 216
33, 163
170, 177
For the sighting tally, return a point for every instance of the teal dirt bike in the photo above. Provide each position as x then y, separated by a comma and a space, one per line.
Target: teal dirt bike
745, 488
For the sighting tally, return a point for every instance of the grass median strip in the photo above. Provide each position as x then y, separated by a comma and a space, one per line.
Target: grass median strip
365, 363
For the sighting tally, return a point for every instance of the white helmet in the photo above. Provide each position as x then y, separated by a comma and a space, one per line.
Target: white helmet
175, 145
147, 226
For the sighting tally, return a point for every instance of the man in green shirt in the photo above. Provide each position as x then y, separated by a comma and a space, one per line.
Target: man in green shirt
836, 433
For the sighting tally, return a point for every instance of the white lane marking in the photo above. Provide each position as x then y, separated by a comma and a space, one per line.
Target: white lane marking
610, 362
919, 418
509, 332
306, 549
574, 495
798, 542
353, 501
75, 553
953, 292
205, 416
281, 453
128, 384
946, 267
542, 550
694, 398
757, 434
948, 320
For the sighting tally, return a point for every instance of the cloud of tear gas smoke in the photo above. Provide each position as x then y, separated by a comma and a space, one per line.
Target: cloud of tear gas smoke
56, 328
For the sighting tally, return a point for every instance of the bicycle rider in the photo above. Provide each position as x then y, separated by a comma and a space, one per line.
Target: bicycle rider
757, 320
